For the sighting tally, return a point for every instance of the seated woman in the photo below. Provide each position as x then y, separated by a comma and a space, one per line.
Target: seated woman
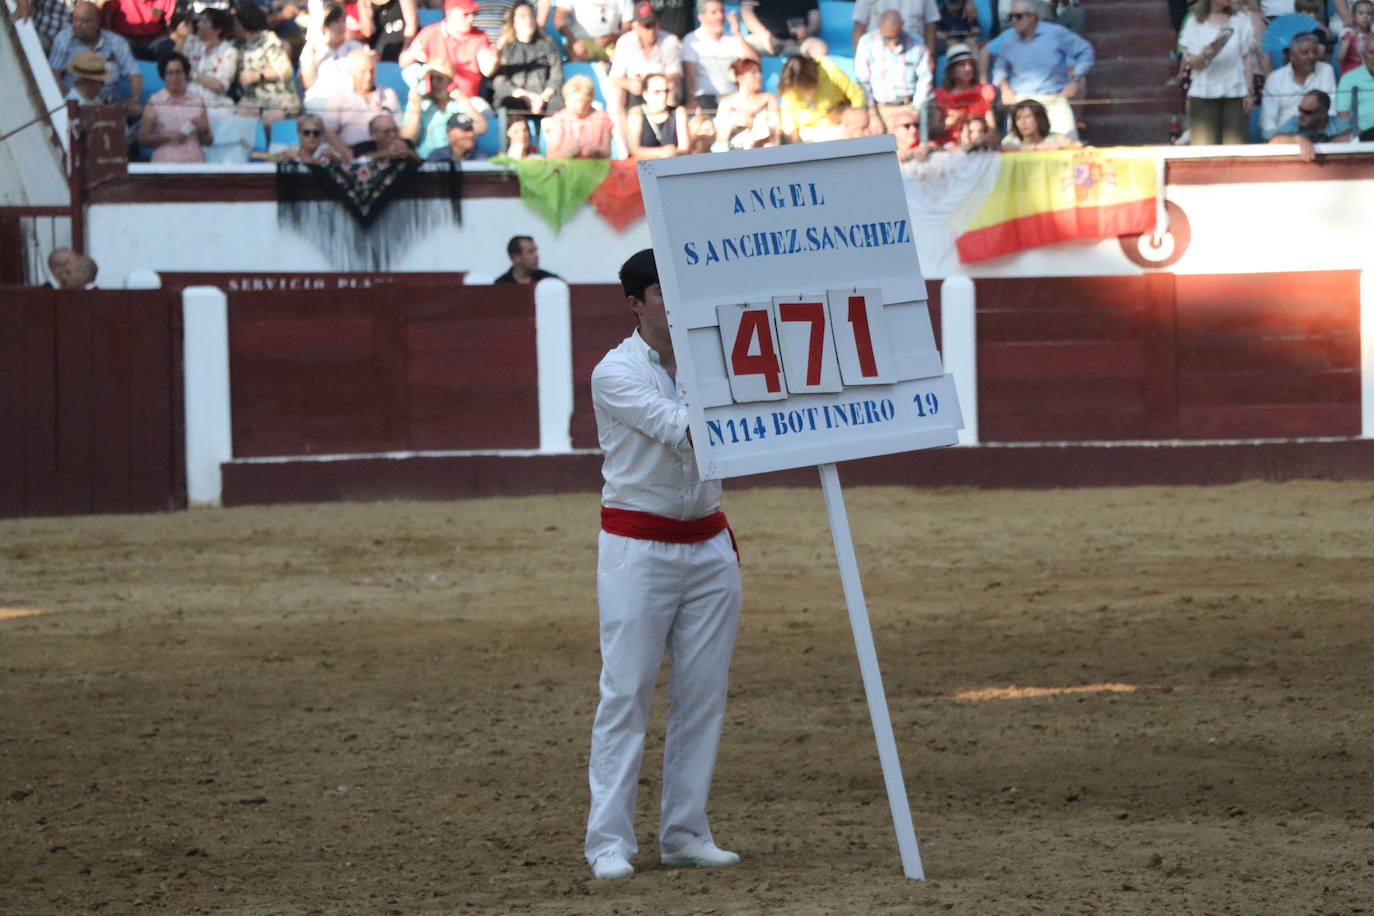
174, 121
214, 67
312, 148
1030, 129
529, 69
265, 72
656, 130
519, 140
426, 118
811, 89
748, 119
578, 131
961, 97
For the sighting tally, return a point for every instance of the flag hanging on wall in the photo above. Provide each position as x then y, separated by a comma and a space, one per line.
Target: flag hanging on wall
1039, 198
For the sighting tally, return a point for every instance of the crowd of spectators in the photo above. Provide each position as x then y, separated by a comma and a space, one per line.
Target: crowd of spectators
673, 77
1281, 71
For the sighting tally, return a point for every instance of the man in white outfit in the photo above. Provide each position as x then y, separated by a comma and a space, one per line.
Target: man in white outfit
667, 578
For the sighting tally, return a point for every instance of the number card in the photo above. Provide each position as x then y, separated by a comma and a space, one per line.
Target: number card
796, 306
807, 345
861, 335
751, 356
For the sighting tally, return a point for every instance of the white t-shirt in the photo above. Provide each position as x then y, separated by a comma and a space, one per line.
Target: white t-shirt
630, 59
915, 14
1225, 77
1272, 8
595, 18
713, 57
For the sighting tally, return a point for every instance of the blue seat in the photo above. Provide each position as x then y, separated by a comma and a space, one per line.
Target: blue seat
987, 18
772, 69
837, 26
846, 65
284, 134
389, 75
429, 16
491, 142
151, 81
587, 69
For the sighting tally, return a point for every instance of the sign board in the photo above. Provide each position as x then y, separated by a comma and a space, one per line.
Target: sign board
796, 306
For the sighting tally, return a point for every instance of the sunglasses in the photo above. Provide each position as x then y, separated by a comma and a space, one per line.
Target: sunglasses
905, 125
1017, 17
1309, 111
309, 133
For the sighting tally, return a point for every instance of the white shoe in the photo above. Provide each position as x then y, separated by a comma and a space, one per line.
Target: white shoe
699, 853
612, 865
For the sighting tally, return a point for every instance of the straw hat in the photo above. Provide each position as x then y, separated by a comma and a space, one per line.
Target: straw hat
89, 65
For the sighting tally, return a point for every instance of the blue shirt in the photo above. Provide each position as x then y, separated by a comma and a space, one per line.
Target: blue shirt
1043, 63
1335, 126
111, 46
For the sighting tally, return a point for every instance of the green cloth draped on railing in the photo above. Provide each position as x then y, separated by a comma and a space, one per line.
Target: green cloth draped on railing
556, 188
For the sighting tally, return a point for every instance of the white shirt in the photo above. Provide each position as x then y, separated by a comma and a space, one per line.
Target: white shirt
915, 14
1224, 77
630, 60
641, 424
1271, 8
595, 18
713, 57
1282, 93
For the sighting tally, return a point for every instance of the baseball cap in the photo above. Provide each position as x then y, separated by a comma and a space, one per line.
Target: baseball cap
645, 12
465, 5
956, 53
460, 122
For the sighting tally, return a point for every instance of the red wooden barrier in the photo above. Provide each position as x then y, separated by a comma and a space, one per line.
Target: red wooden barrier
1160, 356
90, 402
383, 369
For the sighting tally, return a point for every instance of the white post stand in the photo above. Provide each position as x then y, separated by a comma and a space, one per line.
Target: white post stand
868, 668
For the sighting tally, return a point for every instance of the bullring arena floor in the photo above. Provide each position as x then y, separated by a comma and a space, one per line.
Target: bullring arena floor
1107, 701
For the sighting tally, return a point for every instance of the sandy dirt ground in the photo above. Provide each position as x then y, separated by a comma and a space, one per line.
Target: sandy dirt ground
1107, 701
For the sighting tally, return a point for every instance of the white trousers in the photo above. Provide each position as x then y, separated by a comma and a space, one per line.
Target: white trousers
653, 596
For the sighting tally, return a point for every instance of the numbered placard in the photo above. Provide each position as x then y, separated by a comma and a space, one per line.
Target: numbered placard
861, 337
749, 338
807, 344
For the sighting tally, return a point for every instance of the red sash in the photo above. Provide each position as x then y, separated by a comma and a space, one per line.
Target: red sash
646, 526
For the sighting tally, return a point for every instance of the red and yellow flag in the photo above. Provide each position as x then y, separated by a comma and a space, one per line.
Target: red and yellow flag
1052, 196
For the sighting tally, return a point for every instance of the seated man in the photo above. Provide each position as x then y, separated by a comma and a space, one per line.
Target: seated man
385, 143
431, 107
85, 35
80, 274
1043, 62
707, 54
59, 262
1313, 123
524, 262
1285, 87
462, 142
920, 19
348, 109
1355, 93
894, 69
456, 40
644, 50
590, 27
92, 76
780, 26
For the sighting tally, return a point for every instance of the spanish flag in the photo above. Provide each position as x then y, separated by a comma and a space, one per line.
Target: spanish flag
1042, 197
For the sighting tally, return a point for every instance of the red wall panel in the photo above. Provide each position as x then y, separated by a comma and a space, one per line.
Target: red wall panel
90, 402
389, 368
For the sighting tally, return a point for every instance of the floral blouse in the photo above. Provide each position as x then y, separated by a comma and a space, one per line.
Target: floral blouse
220, 62
265, 52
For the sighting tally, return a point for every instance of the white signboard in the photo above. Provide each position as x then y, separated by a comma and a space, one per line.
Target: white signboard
796, 306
